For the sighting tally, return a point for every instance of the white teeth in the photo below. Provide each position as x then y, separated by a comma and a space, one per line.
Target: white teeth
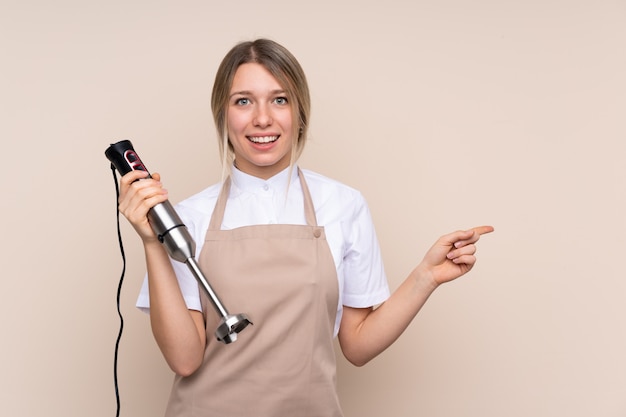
262, 139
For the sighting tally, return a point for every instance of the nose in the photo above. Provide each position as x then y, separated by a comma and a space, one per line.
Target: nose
262, 116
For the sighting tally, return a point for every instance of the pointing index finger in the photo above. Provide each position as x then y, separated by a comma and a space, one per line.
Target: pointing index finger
481, 230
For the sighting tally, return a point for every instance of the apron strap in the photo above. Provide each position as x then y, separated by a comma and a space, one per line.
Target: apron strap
218, 212
309, 210
220, 206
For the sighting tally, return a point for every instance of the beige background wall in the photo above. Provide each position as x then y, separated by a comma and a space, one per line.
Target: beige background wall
446, 114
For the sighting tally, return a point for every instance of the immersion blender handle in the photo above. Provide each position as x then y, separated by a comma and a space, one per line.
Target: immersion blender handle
169, 228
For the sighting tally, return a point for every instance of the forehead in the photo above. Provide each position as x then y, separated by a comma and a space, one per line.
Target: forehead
254, 77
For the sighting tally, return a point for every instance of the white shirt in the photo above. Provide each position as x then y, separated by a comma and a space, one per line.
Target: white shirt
340, 209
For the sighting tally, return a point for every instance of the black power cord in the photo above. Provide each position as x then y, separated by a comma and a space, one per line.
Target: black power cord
119, 292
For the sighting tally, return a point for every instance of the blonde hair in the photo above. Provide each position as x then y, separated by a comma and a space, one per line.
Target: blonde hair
289, 74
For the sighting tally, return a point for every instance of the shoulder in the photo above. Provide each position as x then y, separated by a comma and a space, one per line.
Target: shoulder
323, 185
328, 192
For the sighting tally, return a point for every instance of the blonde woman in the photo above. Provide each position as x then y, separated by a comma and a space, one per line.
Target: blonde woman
293, 249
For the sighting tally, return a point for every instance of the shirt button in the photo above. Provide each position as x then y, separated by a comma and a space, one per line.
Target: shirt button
266, 187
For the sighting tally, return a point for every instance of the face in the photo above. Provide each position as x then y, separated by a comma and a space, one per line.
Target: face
259, 122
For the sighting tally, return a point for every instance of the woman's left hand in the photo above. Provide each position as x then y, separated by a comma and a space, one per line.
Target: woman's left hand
453, 254
365, 332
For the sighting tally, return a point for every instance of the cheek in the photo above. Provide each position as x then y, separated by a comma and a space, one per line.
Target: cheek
236, 122
286, 121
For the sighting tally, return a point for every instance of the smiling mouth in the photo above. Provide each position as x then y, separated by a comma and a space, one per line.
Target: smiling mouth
262, 139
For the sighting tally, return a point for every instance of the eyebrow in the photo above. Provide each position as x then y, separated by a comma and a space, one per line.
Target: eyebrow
249, 93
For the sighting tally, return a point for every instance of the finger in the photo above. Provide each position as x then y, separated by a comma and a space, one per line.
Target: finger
474, 235
140, 194
463, 251
136, 189
133, 176
136, 210
468, 260
148, 193
148, 180
481, 230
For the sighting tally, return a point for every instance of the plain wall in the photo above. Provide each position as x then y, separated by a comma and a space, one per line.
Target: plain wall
445, 114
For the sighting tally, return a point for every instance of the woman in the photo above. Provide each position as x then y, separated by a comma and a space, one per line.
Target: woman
294, 250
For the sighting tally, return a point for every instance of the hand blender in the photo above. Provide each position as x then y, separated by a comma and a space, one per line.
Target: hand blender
179, 244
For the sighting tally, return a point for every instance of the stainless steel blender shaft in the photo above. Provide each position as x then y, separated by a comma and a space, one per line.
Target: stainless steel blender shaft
181, 247
230, 325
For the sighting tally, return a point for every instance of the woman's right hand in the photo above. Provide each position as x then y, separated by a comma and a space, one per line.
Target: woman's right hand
137, 197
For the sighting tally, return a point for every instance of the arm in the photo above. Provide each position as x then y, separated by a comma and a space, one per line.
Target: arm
366, 332
178, 331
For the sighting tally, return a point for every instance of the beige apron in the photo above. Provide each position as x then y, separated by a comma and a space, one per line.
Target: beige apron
284, 278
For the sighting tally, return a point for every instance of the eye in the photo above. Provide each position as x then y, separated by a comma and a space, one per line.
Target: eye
281, 101
242, 101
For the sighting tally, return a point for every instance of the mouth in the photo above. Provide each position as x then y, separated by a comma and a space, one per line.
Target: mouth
263, 139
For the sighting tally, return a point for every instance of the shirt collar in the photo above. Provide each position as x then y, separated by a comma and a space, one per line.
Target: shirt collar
249, 183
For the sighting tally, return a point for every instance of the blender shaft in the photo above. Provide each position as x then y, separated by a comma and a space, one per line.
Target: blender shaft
195, 269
